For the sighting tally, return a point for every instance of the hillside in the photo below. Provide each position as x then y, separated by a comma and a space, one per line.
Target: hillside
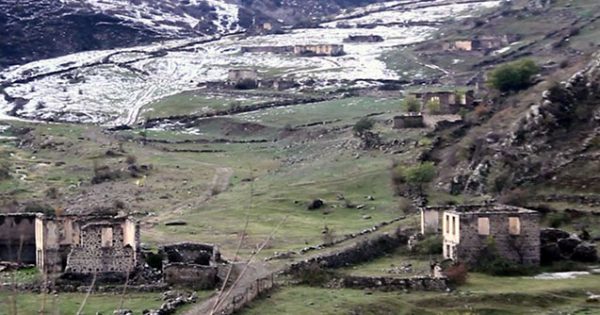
305, 161
41, 29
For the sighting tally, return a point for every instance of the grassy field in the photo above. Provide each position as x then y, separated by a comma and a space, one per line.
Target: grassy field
69, 303
199, 102
481, 295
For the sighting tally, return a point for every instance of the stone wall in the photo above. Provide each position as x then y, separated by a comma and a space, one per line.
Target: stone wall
17, 238
319, 50
408, 121
360, 252
195, 276
430, 220
392, 283
268, 49
515, 235
101, 251
191, 253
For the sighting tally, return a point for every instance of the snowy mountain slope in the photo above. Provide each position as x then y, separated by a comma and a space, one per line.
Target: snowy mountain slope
38, 29
169, 17
109, 87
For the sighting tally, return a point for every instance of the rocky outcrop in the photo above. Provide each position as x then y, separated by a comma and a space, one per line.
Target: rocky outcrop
560, 245
563, 106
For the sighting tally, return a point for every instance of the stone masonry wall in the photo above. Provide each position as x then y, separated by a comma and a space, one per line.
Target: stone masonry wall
393, 283
195, 276
17, 238
92, 257
523, 248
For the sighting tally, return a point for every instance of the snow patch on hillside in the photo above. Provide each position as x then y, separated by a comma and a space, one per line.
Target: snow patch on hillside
167, 16
112, 94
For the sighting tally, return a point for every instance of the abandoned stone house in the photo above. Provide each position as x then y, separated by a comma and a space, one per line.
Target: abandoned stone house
363, 39
82, 245
450, 101
192, 264
483, 43
298, 50
319, 50
238, 75
409, 120
243, 78
268, 49
469, 230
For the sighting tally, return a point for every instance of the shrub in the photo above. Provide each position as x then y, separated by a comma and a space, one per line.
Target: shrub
513, 76
36, 207
457, 274
411, 104
313, 275
415, 176
434, 106
557, 219
130, 160
492, 263
481, 110
52, 193
4, 171
420, 174
431, 245
364, 124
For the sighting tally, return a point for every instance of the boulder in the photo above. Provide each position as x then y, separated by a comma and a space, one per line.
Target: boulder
567, 245
550, 253
316, 204
550, 235
585, 252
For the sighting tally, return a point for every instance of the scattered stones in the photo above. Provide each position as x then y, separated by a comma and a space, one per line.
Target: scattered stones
366, 217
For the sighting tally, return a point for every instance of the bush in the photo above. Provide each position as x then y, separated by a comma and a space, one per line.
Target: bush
313, 275
431, 245
513, 76
130, 160
457, 274
411, 104
492, 263
52, 193
434, 106
415, 175
4, 171
36, 207
558, 219
364, 124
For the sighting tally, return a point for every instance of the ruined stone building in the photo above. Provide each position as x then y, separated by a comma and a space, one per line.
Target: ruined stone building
319, 50
450, 100
83, 245
268, 49
513, 232
238, 75
243, 78
298, 50
482, 43
17, 237
192, 264
409, 120
363, 39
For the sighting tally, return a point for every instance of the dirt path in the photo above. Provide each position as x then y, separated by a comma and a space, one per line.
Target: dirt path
261, 269
219, 184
